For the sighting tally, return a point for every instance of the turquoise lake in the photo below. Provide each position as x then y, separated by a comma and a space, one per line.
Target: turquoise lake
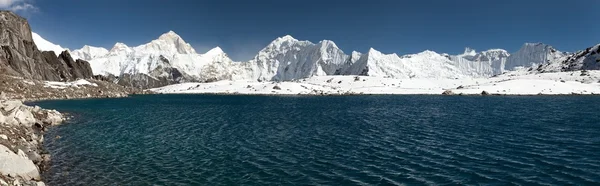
340, 140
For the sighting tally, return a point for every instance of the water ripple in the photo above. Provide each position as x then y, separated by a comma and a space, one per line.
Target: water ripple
356, 140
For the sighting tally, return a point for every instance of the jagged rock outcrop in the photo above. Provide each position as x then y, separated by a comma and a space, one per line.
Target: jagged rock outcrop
78, 69
588, 59
20, 56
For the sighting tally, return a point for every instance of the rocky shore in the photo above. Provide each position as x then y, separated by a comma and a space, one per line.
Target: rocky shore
21, 138
22, 157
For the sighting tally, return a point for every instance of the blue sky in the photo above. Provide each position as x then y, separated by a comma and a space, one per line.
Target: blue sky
243, 27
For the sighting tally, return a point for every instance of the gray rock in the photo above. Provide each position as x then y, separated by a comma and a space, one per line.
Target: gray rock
485, 93
14, 165
19, 56
448, 92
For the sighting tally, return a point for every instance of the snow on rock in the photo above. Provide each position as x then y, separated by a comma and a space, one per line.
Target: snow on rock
588, 59
62, 85
45, 45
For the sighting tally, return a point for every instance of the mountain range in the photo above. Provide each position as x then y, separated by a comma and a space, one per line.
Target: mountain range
170, 60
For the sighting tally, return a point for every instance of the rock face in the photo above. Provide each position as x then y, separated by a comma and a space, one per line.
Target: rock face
588, 59
20, 56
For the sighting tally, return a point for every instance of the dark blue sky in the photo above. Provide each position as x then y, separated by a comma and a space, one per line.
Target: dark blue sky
243, 27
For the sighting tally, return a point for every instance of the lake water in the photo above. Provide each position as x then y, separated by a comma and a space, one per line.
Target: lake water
345, 140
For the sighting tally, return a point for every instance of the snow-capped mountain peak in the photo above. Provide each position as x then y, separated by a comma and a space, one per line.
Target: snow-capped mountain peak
45, 45
373, 51
428, 53
89, 52
469, 52
118, 47
328, 43
170, 35
286, 38
214, 52
169, 43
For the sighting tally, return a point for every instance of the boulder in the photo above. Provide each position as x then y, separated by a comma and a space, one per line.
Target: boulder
17, 165
485, 93
448, 92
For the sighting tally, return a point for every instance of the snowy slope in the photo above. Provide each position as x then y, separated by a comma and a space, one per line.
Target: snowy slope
565, 83
45, 45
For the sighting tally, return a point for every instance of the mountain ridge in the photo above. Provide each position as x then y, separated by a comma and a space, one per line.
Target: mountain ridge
287, 58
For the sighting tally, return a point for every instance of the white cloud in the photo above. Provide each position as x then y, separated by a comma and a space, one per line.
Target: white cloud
23, 7
9, 3
17, 5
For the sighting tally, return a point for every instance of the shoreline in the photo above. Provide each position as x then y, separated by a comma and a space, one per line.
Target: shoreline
22, 155
375, 94
23, 126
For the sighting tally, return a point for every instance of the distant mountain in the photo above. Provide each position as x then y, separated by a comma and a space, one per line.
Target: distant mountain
169, 59
166, 60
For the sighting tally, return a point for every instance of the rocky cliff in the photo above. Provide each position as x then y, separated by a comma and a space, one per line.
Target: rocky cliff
20, 56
